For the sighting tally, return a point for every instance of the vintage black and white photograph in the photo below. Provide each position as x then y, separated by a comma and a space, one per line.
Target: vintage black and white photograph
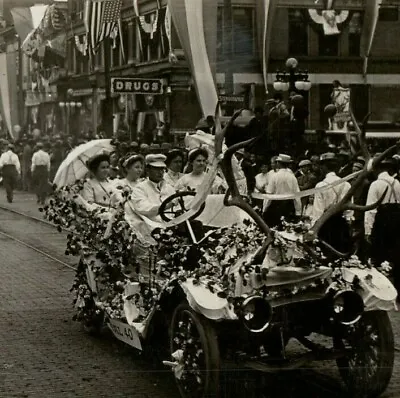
199, 198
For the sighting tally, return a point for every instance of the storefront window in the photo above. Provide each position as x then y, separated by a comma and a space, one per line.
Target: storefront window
298, 33
360, 100
243, 31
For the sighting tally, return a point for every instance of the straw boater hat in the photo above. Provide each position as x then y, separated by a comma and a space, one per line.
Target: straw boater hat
156, 160
327, 156
304, 163
132, 158
282, 158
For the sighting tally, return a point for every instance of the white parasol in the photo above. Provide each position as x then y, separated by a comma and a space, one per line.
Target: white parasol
74, 165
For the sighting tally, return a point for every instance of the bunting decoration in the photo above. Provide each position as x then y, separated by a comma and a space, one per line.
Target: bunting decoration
82, 47
266, 13
152, 30
101, 18
329, 18
368, 32
8, 90
188, 17
168, 28
26, 19
50, 34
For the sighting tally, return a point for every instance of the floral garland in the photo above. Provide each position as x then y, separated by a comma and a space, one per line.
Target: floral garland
87, 239
112, 251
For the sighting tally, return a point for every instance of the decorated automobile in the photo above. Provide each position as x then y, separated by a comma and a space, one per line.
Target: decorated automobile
235, 293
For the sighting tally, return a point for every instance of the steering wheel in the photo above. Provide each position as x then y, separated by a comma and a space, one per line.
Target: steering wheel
178, 198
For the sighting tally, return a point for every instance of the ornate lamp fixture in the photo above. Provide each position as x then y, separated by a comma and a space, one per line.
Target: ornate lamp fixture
292, 79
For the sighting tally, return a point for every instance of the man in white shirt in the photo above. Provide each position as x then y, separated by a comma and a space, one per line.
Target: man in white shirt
40, 171
382, 224
148, 195
11, 169
336, 230
283, 182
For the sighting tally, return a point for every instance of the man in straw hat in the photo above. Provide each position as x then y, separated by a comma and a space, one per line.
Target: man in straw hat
148, 195
283, 182
40, 169
11, 168
336, 230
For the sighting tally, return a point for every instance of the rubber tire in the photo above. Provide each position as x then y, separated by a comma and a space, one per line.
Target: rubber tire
210, 346
95, 326
378, 384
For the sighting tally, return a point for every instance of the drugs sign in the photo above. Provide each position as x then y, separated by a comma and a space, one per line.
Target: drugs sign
121, 85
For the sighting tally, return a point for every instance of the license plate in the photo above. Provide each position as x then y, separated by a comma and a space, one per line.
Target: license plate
125, 333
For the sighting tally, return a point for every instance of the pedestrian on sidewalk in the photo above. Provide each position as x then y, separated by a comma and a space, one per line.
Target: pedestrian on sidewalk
40, 171
26, 166
11, 168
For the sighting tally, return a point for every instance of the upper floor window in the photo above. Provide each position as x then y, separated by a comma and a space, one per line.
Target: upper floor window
153, 47
388, 14
328, 45
243, 31
355, 34
298, 33
220, 33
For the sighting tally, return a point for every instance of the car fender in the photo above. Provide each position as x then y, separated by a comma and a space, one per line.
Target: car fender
376, 290
209, 304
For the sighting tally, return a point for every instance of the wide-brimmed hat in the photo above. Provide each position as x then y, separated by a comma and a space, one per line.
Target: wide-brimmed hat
284, 158
195, 152
304, 163
132, 158
172, 154
343, 152
156, 160
95, 160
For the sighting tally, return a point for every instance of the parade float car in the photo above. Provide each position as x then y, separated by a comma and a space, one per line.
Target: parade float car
239, 294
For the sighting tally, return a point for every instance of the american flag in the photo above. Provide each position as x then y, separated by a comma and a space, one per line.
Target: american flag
101, 17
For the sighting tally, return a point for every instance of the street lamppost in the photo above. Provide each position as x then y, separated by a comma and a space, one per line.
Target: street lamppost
293, 79
68, 108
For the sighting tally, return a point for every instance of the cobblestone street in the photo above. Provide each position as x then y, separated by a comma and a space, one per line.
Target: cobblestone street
46, 354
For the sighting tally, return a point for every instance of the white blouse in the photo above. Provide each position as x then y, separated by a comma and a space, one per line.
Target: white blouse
171, 178
99, 192
193, 181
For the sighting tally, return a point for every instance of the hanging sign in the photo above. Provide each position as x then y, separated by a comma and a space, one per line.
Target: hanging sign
231, 98
122, 85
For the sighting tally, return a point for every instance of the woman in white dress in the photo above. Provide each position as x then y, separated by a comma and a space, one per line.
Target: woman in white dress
174, 164
198, 159
134, 166
99, 190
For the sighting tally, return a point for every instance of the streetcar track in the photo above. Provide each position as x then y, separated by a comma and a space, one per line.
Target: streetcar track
37, 250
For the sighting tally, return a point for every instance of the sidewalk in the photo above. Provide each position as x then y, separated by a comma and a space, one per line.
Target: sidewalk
24, 202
